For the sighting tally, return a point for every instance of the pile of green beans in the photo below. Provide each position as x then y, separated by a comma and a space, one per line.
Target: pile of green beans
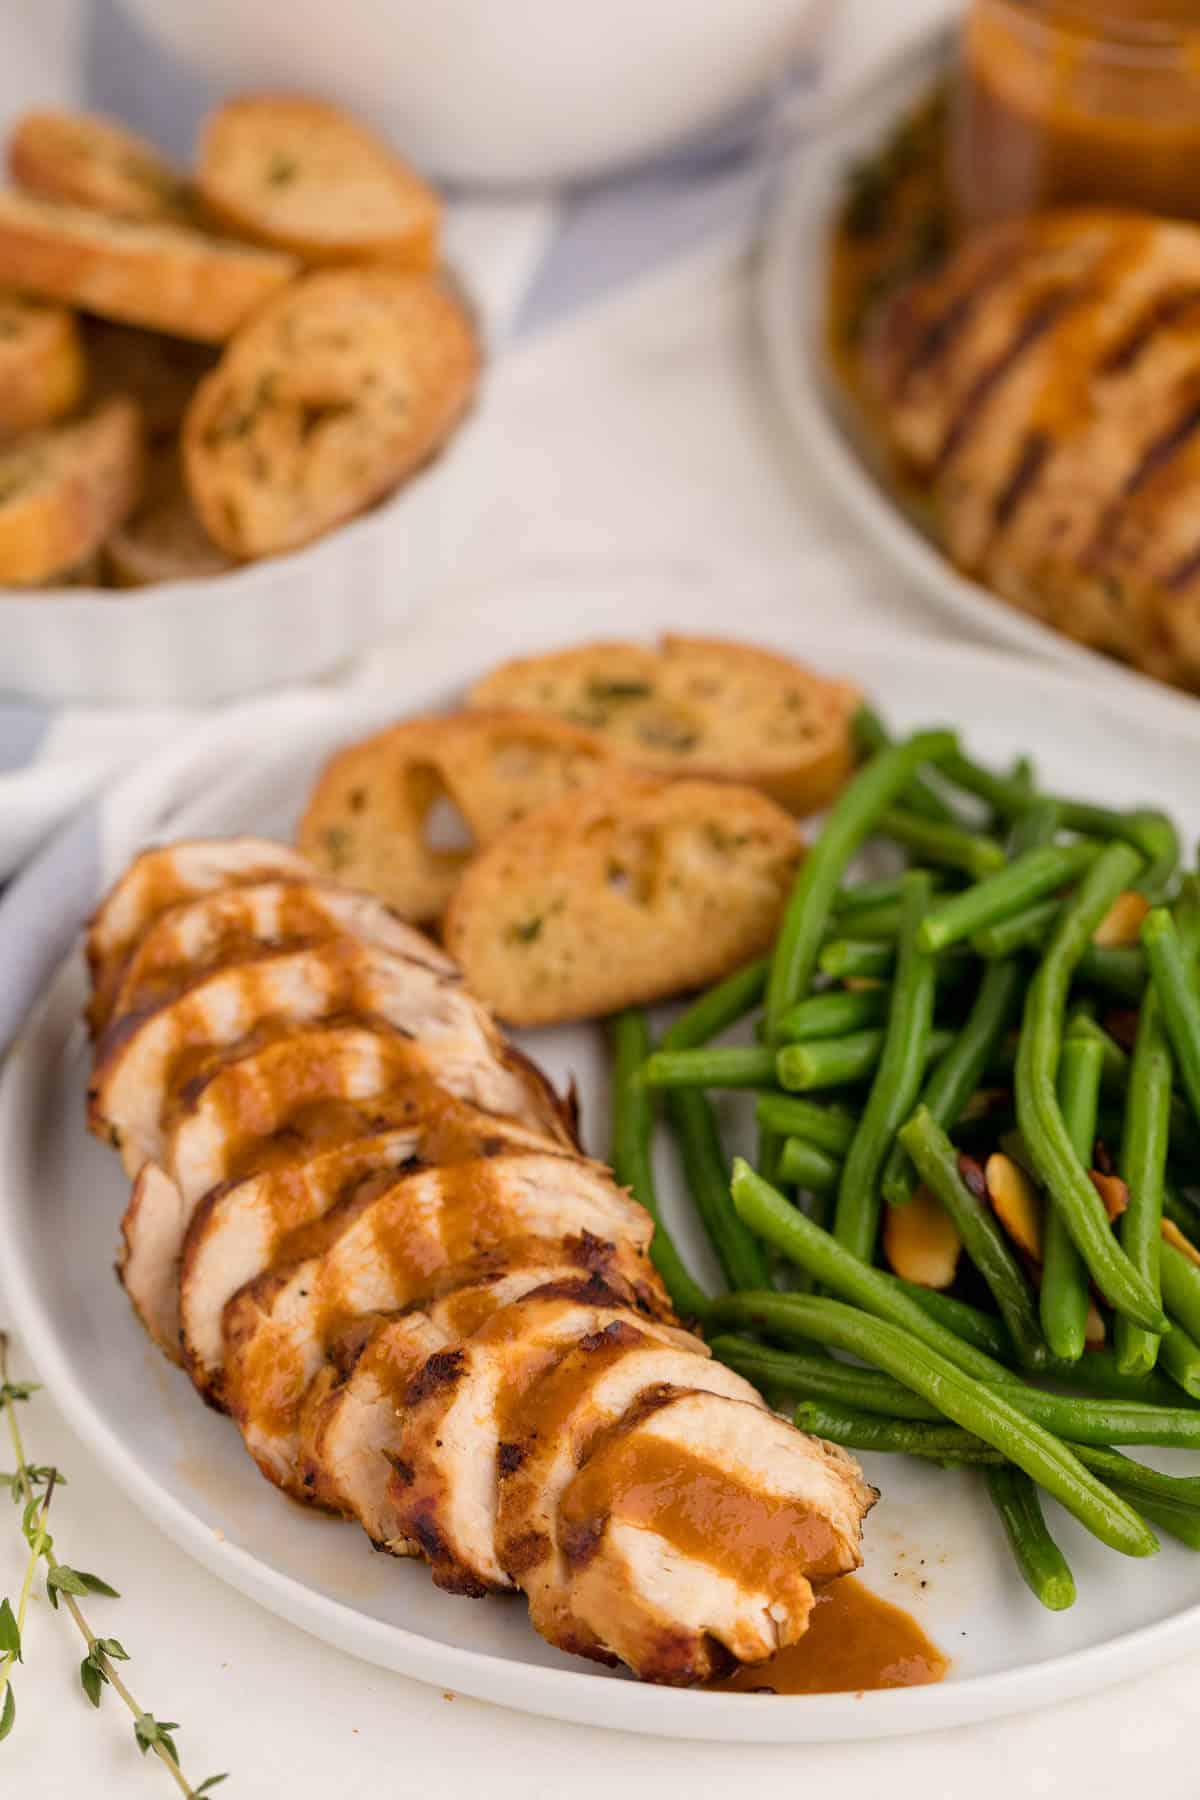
902, 1029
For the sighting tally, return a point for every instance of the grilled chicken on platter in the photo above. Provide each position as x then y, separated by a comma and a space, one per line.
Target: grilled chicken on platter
362, 1222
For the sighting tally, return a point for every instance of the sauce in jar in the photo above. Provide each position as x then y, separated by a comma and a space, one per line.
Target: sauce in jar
1076, 102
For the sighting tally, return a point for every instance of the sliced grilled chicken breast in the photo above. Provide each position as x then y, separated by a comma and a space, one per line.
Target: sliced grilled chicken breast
161, 878
350, 1418
1043, 387
466, 1402
232, 923
695, 1529
381, 1251
240, 1228
560, 1418
140, 1061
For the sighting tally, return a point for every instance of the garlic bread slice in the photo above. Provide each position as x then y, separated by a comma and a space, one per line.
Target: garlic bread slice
636, 889
63, 490
42, 366
88, 160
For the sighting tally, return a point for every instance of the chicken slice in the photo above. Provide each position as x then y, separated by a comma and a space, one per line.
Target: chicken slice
696, 1528
465, 1402
141, 1061
380, 1251
349, 1423
231, 923
239, 1228
161, 878
559, 1419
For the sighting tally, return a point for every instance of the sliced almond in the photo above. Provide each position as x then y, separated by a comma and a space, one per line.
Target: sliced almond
1122, 923
1094, 1332
1173, 1236
1015, 1202
920, 1241
1112, 1191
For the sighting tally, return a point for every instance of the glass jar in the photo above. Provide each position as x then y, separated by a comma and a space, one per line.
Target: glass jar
1069, 102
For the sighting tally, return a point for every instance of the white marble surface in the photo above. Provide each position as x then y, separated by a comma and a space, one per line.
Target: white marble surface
631, 471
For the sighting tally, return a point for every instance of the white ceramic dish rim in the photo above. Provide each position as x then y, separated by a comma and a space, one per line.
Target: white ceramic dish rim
791, 312
563, 1694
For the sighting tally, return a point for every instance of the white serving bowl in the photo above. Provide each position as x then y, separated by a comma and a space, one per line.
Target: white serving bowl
501, 93
285, 619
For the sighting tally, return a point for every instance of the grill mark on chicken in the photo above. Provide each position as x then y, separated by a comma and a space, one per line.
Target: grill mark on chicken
937, 336
1040, 320
1162, 312
1154, 460
1029, 464
443, 1369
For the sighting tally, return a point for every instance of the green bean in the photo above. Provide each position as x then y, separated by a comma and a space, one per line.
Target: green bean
1181, 1211
897, 1079
840, 1062
719, 1008
821, 1377
1024, 930
957, 1074
1143, 1169
736, 1248
851, 820
982, 1329
937, 1164
1042, 1565
1010, 798
868, 894
802, 1165
870, 735
1182, 1522
821, 1256
897, 1435
1175, 984
722, 1066
949, 846
1096, 1373
1181, 1288
843, 1422
876, 924
1119, 969
1179, 1355
833, 1015
847, 959
1038, 1115
830, 1128
1027, 878
632, 1132
992, 1413
1064, 1295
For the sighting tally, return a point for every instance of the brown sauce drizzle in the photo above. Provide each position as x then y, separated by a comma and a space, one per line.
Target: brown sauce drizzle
701, 1509
855, 1642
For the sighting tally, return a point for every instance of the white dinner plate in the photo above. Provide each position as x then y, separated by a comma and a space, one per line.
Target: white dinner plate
792, 310
931, 1543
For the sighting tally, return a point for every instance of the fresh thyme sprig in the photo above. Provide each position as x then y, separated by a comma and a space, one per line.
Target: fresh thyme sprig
66, 1584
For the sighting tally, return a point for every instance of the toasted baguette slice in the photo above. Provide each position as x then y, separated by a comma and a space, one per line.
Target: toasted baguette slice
340, 389
91, 161
290, 171
165, 277
373, 817
161, 373
42, 368
63, 490
163, 541
695, 706
634, 890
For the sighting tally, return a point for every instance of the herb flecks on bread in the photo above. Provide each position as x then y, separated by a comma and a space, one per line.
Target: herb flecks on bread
65, 489
42, 367
87, 160
340, 389
161, 276
295, 173
402, 812
695, 706
637, 889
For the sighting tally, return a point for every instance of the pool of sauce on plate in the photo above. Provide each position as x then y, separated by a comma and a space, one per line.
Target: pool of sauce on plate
855, 1641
